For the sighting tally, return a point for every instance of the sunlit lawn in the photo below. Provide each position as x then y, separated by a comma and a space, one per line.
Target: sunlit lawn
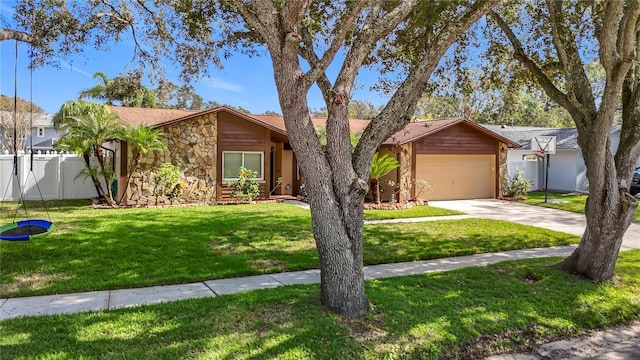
123, 248
414, 212
468, 313
570, 202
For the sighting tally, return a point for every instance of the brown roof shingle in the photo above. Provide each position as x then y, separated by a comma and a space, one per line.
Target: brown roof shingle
136, 116
413, 131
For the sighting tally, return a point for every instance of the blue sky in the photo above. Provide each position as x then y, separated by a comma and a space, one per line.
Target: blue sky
244, 81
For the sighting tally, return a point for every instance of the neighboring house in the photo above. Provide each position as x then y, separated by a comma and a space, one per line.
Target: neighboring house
615, 141
567, 171
43, 134
459, 158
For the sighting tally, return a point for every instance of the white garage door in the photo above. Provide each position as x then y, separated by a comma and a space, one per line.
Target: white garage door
455, 177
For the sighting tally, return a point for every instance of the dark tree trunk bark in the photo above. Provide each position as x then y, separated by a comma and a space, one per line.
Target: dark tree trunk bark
336, 199
337, 180
596, 256
609, 208
87, 162
340, 252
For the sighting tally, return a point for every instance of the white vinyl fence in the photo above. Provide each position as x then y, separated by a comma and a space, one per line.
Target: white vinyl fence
56, 176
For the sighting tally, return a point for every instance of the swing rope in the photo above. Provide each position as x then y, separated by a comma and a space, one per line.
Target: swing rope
25, 229
15, 139
44, 205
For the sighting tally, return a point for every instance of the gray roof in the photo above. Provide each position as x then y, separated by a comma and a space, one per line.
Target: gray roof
46, 144
566, 139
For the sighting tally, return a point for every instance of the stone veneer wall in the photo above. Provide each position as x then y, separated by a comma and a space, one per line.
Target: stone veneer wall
503, 170
192, 146
406, 176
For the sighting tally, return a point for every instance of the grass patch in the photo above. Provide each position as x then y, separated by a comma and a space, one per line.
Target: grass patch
386, 243
569, 202
126, 248
467, 313
414, 212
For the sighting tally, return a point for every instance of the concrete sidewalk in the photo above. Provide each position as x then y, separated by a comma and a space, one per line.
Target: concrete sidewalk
124, 298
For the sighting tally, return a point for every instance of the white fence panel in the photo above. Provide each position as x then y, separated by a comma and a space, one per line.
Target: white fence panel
8, 185
54, 176
74, 186
43, 179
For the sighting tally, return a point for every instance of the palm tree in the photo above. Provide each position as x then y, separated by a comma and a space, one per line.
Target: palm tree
99, 91
86, 134
380, 166
73, 108
142, 139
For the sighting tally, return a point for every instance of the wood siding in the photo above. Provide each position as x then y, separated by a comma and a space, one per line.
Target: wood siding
459, 139
236, 134
462, 139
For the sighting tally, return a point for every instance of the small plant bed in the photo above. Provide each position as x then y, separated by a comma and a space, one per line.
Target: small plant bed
469, 313
573, 202
137, 247
394, 205
411, 212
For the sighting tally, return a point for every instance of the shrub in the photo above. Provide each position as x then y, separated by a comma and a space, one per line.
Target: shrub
245, 188
518, 186
168, 181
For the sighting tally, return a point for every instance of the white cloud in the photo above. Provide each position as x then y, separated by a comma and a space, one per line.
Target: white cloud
217, 83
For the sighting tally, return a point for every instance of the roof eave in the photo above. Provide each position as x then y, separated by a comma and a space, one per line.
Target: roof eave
226, 109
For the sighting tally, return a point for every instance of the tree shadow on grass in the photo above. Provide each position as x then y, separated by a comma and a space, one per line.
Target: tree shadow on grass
435, 240
276, 323
463, 314
472, 313
137, 247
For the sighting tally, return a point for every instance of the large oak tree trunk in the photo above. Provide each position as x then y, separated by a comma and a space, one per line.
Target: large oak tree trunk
338, 234
609, 208
596, 256
336, 197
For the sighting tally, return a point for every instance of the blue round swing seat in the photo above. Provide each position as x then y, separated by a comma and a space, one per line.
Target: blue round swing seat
25, 230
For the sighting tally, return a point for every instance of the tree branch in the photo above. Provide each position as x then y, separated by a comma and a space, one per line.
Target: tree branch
579, 90
367, 39
10, 34
540, 76
318, 68
400, 108
262, 20
307, 53
607, 36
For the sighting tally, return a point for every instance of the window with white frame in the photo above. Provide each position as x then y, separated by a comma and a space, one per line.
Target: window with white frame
40, 131
233, 160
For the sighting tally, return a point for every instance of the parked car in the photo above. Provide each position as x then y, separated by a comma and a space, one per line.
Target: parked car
635, 182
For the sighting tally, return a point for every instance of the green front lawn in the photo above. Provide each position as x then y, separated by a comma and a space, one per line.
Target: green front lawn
124, 248
468, 313
414, 212
570, 202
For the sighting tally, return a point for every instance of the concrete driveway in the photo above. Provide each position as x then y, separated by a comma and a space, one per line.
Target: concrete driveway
558, 220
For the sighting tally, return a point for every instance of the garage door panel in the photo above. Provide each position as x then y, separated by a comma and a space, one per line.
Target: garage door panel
457, 176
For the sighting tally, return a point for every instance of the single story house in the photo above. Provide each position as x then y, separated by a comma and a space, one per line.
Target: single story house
459, 158
567, 171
